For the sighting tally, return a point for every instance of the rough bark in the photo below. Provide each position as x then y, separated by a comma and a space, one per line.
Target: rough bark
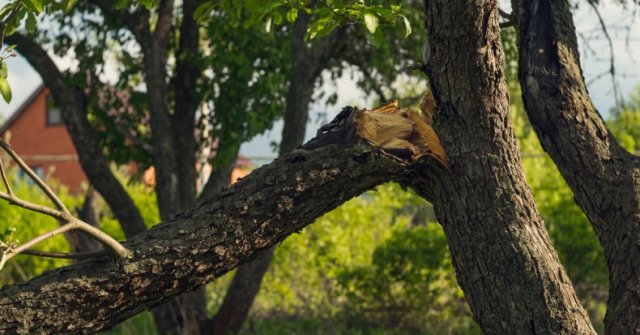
306, 65
94, 164
275, 201
504, 260
603, 176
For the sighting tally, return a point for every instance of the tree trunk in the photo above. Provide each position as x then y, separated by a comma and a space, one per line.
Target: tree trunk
175, 183
185, 105
603, 176
504, 260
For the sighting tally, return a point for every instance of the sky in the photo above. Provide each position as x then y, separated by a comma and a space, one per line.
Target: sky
623, 25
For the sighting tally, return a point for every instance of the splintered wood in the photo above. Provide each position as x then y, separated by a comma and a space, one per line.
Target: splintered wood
402, 131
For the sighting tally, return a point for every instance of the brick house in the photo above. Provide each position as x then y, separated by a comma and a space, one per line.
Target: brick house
37, 132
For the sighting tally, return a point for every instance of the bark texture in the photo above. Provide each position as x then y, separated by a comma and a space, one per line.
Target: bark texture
199, 245
504, 260
603, 176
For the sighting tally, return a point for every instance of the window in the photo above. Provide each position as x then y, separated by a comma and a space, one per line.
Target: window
54, 116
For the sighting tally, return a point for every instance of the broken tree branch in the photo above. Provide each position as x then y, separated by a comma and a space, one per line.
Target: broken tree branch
216, 236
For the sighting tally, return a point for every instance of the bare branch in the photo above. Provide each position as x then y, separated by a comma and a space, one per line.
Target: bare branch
44, 187
164, 25
12, 199
69, 222
612, 69
505, 15
3, 174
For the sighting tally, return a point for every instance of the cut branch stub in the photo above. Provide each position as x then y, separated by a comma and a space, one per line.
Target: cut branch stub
402, 132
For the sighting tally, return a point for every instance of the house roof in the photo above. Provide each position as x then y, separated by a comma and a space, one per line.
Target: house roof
21, 109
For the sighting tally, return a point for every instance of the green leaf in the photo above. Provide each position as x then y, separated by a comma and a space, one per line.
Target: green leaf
33, 6
203, 11
407, 26
321, 27
31, 23
3, 69
371, 22
292, 15
5, 90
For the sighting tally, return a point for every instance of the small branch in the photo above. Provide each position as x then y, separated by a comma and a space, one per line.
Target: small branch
74, 223
12, 199
612, 70
163, 25
44, 187
4, 179
47, 235
69, 222
505, 15
7, 255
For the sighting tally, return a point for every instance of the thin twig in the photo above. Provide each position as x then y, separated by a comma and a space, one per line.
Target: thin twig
12, 199
4, 178
74, 223
507, 16
56, 201
10, 253
612, 69
62, 229
62, 214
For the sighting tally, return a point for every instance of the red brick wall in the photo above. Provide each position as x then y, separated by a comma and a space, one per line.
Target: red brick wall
47, 146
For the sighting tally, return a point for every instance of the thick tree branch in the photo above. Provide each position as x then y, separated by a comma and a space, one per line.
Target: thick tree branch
180, 255
603, 176
163, 25
93, 161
